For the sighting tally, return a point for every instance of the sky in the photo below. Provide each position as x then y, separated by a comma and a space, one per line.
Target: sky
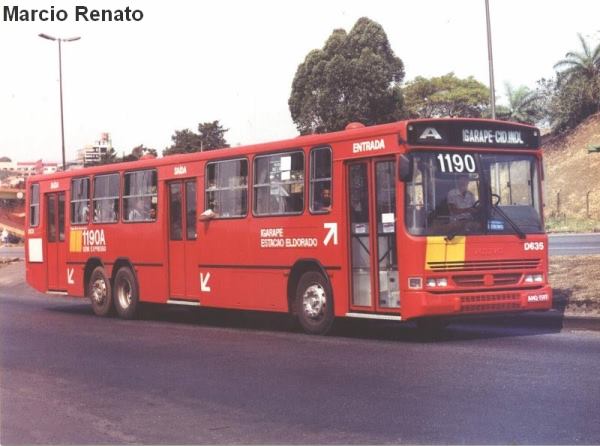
192, 61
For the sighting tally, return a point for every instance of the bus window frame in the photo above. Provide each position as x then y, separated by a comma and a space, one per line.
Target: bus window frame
254, 185
206, 189
118, 197
320, 180
71, 201
123, 196
36, 205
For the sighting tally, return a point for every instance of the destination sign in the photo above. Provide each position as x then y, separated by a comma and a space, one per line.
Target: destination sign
472, 134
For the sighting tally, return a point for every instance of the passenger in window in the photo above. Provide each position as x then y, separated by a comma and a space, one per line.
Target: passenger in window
323, 203
210, 212
85, 212
461, 200
139, 212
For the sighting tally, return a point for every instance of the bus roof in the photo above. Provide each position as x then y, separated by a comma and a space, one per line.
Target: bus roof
441, 126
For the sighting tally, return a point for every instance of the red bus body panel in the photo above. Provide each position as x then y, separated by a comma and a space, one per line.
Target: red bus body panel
232, 265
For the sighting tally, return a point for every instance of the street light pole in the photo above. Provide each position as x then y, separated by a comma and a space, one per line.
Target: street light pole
62, 125
490, 59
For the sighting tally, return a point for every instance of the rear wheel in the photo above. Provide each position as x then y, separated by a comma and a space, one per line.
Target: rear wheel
126, 293
100, 292
314, 303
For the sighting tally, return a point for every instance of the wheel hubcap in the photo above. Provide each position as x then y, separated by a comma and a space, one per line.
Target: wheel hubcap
124, 294
314, 301
99, 291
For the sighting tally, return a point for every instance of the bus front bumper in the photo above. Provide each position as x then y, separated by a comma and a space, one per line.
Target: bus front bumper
424, 304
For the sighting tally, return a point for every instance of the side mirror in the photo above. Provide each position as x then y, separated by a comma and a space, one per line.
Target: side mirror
405, 168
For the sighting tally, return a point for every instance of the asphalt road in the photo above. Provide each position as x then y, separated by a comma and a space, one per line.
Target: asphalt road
12, 251
574, 244
183, 376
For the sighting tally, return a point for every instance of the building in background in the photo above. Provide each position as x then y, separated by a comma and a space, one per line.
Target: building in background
93, 153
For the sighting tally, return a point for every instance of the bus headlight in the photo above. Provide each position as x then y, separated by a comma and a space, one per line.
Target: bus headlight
437, 282
533, 278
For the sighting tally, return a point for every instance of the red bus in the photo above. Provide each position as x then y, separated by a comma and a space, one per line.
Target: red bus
409, 220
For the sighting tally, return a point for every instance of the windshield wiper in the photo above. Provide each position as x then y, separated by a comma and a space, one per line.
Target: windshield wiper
510, 221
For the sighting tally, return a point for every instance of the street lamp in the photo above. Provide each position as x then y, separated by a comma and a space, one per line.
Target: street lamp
62, 125
490, 59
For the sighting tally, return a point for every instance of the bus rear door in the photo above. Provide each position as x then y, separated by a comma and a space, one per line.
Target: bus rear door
56, 246
372, 220
182, 238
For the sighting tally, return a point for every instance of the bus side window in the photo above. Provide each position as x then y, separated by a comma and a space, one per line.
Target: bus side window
140, 196
80, 200
106, 198
34, 206
279, 184
320, 180
226, 188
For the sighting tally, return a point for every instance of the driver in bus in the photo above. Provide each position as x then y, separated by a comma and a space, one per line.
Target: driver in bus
461, 200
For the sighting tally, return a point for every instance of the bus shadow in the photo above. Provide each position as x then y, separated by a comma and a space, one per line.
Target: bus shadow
458, 329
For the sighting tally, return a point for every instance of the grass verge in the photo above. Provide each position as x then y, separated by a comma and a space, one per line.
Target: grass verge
571, 224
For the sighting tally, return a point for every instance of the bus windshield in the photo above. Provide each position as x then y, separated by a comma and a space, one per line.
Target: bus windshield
460, 193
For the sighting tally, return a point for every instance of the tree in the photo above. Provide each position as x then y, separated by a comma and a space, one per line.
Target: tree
184, 141
211, 136
584, 64
446, 96
5, 159
523, 105
138, 152
575, 93
354, 77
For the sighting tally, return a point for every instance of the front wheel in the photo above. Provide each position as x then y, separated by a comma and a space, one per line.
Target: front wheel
126, 293
314, 303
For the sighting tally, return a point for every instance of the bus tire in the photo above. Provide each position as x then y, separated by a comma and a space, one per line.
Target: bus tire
99, 292
314, 303
126, 293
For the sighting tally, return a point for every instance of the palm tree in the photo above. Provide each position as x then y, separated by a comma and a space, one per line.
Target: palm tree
522, 105
584, 64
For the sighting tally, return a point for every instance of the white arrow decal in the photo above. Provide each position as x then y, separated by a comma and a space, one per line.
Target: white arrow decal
204, 283
70, 272
332, 233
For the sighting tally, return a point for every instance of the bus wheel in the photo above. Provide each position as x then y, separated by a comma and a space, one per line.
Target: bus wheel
314, 303
126, 293
100, 293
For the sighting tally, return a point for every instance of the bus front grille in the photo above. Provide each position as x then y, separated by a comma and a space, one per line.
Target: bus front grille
490, 302
484, 265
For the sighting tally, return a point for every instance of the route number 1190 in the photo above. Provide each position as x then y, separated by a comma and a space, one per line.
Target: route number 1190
456, 162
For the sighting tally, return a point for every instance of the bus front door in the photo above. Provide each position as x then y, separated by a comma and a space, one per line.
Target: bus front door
182, 235
372, 219
56, 246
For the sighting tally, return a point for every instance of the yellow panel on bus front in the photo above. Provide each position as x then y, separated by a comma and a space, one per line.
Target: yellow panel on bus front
440, 250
